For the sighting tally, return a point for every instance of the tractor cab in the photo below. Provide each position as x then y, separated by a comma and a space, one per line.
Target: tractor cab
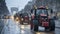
41, 12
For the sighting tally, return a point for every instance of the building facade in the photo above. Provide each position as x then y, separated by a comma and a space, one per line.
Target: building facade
3, 8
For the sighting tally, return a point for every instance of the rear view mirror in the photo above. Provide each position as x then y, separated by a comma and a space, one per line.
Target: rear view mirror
31, 11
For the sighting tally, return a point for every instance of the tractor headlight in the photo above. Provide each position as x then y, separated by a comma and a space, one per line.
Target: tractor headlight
42, 18
22, 19
46, 18
12, 17
17, 19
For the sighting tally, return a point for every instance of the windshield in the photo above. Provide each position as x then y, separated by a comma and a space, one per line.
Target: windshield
25, 14
41, 11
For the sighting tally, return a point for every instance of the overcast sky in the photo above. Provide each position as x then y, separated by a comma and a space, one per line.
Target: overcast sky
16, 3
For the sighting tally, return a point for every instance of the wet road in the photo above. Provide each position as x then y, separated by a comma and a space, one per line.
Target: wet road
10, 27
13, 27
26, 29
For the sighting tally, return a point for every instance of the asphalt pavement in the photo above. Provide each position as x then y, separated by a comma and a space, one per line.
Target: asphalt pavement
26, 29
10, 27
13, 27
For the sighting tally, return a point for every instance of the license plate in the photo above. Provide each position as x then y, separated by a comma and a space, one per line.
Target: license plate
41, 28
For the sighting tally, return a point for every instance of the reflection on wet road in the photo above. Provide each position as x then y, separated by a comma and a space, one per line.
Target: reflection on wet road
12, 27
44, 32
26, 29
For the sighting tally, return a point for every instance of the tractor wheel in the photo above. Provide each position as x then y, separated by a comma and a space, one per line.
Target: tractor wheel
46, 28
32, 26
52, 28
35, 27
52, 25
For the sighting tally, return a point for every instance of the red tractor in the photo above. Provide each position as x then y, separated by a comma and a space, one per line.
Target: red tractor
25, 18
42, 17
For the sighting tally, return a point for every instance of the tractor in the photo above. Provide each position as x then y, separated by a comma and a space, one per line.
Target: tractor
42, 17
25, 19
